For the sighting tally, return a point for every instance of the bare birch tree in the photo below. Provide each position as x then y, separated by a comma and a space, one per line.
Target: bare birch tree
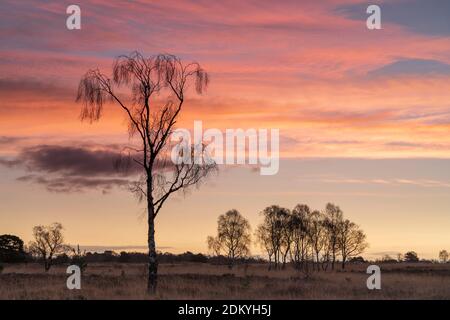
270, 232
262, 235
300, 220
156, 88
351, 240
333, 219
233, 236
317, 235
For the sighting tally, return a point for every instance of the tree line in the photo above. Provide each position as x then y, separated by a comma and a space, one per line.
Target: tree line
310, 240
49, 248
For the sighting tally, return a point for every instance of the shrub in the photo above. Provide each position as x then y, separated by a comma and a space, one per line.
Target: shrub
411, 256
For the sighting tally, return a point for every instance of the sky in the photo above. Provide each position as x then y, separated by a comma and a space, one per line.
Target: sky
364, 116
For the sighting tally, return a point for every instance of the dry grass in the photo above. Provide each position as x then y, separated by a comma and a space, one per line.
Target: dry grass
204, 281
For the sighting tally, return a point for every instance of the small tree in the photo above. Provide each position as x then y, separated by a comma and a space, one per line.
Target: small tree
317, 235
351, 240
262, 235
333, 220
271, 231
443, 256
48, 242
286, 230
411, 256
300, 220
233, 236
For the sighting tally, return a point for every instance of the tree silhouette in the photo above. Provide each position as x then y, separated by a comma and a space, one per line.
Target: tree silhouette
333, 219
11, 248
48, 242
156, 87
233, 236
287, 237
263, 237
411, 256
270, 232
443, 256
351, 240
309, 237
317, 235
300, 221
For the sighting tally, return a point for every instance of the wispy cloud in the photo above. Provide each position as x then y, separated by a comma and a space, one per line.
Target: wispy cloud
306, 67
412, 67
426, 183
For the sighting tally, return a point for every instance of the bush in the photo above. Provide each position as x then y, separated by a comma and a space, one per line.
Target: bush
11, 249
411, 256
357, 260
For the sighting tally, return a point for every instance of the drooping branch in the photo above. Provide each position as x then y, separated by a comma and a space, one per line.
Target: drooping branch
149, 80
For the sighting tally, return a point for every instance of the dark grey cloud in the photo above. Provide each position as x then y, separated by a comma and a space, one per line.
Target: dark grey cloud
412, 66
430, 17
71, 160
69, 184
75, 169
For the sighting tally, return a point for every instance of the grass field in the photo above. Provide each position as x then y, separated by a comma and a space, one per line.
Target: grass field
205, 281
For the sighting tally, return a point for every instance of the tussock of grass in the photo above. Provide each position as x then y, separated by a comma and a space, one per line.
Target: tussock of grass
204, 281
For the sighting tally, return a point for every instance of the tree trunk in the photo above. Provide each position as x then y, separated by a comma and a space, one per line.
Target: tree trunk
317, 261
152, 257
285, 258
333, 261
46, 265
230, 261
